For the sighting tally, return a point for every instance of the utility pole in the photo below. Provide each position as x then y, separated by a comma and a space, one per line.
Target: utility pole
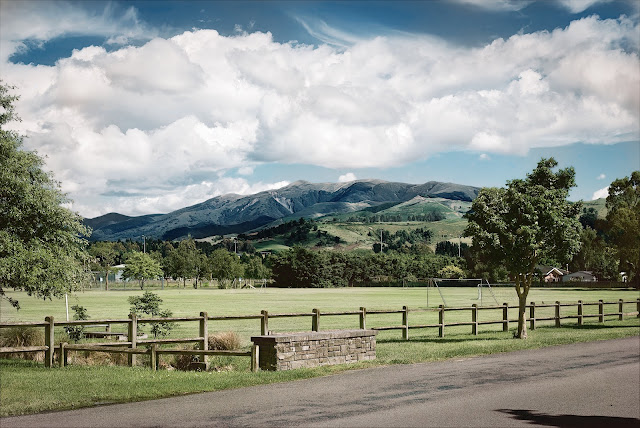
144, 244
459, 245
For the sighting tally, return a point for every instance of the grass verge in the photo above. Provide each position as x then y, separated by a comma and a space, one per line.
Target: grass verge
27, 387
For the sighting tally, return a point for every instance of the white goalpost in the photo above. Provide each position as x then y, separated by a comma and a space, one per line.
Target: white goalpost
449, 282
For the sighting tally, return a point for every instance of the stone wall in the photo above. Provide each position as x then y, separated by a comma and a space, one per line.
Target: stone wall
287, 351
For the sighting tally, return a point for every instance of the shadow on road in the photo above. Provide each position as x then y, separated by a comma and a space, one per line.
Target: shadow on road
538, 418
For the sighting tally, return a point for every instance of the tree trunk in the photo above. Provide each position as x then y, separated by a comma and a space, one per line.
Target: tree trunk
522, 317
106, 280
522, 288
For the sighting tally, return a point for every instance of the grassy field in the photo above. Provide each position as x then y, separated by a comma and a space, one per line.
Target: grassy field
28, 387
216, 302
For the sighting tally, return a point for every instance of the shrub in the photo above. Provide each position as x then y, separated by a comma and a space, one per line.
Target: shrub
149, 303
15, 337
76, 332
224, 341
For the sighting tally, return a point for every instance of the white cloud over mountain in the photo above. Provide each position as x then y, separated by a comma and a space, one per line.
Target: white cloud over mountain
157, 118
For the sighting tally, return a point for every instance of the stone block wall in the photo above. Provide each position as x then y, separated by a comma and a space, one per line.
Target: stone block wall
287, 351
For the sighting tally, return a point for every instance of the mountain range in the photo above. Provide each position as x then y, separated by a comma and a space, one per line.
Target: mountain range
232, 213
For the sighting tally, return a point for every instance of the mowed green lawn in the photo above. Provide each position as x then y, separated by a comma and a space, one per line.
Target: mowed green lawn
216, 302
28, 387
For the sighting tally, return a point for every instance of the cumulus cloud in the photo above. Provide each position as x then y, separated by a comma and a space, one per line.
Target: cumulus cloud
602, 193
578, 6
40, 21
484, 156
165, 117
345, 178
499, 5
601, 177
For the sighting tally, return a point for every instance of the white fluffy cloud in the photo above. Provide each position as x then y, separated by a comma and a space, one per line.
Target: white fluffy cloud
602, 193
169, 118
345, 178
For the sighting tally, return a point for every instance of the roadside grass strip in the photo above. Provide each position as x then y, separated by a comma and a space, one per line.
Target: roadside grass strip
27, 387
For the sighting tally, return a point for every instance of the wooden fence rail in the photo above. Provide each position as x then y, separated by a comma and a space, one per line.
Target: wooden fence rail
132, 342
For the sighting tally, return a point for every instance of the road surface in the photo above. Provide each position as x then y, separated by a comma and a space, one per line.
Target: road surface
585, 384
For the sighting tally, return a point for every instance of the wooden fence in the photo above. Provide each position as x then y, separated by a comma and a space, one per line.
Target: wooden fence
133, 341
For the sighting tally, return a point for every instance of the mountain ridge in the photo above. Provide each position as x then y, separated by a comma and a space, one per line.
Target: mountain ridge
232, 213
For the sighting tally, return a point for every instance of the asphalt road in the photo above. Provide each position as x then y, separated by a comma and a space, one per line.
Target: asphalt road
586, 384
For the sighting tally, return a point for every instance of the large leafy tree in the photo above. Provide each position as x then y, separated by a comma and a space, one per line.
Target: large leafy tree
42, 249
528, 221
225, 266
104, 257
623, 220
186, 261
141, 266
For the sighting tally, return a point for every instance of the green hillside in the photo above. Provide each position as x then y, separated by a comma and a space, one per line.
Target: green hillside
599, 205
360, 235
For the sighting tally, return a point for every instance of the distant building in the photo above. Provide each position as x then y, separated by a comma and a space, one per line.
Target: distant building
550, 273
580, 276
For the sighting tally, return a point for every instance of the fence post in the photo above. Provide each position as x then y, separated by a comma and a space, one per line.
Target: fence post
580, 312
133, 337
363, 316
638, 308
557, 316
153, 359
441, 321
474, 319
601, 310
255, 358
63, 354
315, 320
204, 334
620, 311
532, 316
405, 322
505, 317
264, 323
48, 341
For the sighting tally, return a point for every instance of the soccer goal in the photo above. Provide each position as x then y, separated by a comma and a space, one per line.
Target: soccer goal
479, 283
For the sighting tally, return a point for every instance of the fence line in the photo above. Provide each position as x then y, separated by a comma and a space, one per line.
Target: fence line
153, 351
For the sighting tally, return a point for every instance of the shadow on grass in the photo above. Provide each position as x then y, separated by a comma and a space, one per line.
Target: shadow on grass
539, 418
601, 326
445, 339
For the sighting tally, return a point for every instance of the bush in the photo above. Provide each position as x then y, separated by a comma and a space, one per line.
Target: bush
149, 303
15, 337
76, 332
224, 341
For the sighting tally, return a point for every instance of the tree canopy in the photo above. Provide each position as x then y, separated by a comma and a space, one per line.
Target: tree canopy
528, 221
623, 220
42, 249
141, 266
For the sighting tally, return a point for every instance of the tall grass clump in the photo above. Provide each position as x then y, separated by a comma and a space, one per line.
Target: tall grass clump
224, 341
17, 337
183, 361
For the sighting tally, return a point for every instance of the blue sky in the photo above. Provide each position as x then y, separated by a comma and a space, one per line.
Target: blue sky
144, 107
